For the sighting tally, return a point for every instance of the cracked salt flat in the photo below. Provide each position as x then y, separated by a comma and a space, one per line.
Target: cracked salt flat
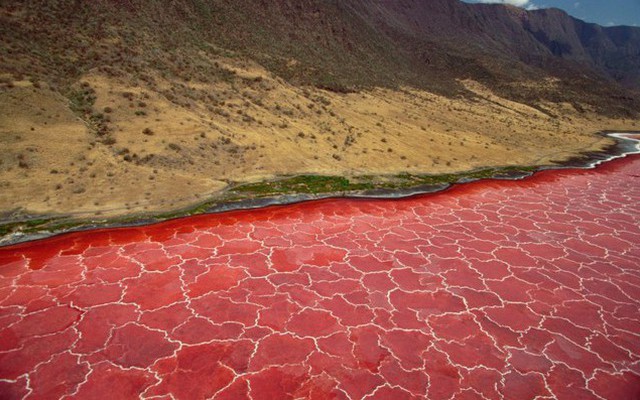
492, 290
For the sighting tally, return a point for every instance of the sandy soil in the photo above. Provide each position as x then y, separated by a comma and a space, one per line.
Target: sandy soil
172, 145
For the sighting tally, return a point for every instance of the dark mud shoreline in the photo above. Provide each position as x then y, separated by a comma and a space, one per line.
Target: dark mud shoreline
40, 227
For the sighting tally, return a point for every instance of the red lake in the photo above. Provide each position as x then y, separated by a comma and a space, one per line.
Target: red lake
490, 290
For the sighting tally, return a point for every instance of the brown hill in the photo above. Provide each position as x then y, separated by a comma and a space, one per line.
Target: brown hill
115, 107
503, 45
335, 44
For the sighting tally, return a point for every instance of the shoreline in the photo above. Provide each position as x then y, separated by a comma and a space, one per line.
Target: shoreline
236, 198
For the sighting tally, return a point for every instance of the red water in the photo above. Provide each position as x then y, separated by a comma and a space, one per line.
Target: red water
498, 289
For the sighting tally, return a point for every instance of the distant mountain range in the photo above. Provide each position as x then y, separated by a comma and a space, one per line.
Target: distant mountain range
336, 44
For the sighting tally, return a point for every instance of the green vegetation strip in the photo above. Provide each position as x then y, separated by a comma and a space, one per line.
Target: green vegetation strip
300, 184
315, 184
303, 184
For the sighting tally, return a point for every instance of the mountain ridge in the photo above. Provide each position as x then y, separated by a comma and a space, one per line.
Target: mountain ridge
121, 107
544, 42
355, 43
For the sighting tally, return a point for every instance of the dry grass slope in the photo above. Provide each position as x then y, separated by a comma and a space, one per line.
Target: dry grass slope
115, 119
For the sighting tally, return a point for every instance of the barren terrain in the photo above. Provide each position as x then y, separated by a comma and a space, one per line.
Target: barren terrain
116, 148
110, 110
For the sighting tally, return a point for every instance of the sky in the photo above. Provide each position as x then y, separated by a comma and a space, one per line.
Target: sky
603, 12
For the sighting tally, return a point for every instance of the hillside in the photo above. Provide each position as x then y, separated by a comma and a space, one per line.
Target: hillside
114, 107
